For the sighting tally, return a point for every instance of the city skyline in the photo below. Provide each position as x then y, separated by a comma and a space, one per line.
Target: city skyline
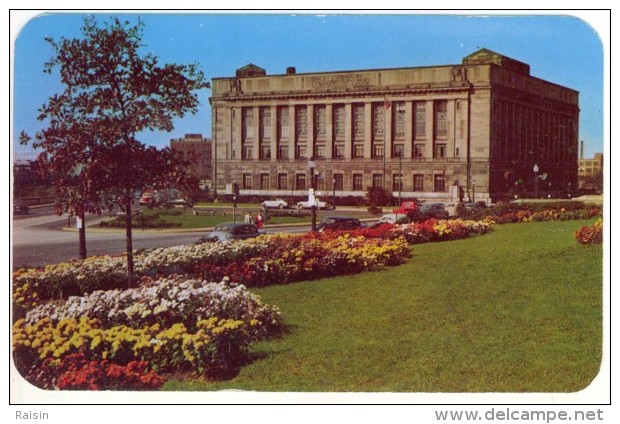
560, 49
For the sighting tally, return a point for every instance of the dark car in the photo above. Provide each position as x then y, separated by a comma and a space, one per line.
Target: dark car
428, 211
339, 223
229, 231
20, 209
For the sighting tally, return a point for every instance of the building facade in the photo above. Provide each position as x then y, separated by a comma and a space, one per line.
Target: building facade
591, 173
198, 149
471, 131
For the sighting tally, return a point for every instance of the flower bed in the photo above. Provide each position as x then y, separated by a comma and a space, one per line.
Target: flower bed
590, 234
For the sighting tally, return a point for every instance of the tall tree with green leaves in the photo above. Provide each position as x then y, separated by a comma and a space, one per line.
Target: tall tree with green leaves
112, 92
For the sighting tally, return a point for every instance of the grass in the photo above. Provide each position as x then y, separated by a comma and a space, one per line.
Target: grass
516, 310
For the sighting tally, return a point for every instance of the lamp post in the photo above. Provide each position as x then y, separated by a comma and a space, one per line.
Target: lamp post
311, 196
535, 169
473, 191
334, 194
400, 175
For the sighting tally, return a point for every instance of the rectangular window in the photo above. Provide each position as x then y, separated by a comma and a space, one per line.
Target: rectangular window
378, 120
338, 182
377, 150
377, 180
247, 180
358, 182
399, 120
300, 181
440, 182
339, 122
319, 180
440, 150
397, 182
441, 118
398, 151
300, 152
282, 182
358, 122
358, 151
418, 150
282, 152
319, 151
265, 123
265, 151
418, 182
264, 181
247, 152
301, 122
283, 122
420, 119
248, 122
338, 151
320, 122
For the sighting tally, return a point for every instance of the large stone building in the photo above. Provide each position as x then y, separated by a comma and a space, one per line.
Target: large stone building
449, 132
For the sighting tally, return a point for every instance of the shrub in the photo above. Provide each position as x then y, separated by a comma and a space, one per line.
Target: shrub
590, 234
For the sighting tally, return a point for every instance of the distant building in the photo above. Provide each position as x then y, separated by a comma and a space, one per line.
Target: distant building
200, 149
468, 131
591, 173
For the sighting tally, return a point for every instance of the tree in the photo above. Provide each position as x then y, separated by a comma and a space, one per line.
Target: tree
112, 92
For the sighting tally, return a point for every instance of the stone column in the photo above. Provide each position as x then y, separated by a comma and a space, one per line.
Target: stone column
274, 134
409, 139
430, 130
348, 130
329, 132
256, 139
310, 131
368, 130
452, 119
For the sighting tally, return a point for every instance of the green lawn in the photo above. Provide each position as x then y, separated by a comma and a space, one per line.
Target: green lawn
516, 310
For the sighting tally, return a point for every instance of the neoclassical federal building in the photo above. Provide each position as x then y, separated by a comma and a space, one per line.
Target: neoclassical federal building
482, 130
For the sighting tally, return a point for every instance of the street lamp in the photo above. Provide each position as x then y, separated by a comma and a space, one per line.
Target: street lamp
334, 188
535, 169
473, 191
311, 196
400, 175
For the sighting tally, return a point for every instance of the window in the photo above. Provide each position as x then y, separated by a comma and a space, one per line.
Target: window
300, 151
338, 151
418, 182
440, 182
397, 182
440, 150
441, 118
301, 122
377, 150
338, 182
282, 182
377, 180
320, 122
358, 121
399, 120
265, 151
358, 182
319, 151
398, 151
420, 119
248, 122
378, 120
418, 150
265, 122
283, 121
358, 150
247, 151
264, 181
300, 181
247, 180
338, 112
282, 152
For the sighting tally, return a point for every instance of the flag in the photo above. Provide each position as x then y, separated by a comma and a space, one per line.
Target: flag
386, 103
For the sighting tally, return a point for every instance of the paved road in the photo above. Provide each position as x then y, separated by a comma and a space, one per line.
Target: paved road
39, 238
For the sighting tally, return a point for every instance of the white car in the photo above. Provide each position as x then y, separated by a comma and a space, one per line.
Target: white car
274, 204
393, 218
320, 205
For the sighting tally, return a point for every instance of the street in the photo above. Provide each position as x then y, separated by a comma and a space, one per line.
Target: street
40, 238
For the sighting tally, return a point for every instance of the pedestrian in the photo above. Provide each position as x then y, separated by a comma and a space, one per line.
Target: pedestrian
248, 218
259, 220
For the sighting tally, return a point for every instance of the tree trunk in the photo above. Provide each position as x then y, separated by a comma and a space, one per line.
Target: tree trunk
82, 233
130, 276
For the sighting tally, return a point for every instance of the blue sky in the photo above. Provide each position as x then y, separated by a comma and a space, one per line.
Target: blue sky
559, 48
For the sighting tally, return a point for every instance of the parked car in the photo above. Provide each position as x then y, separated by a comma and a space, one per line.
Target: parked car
20, 209
228, 231
319, 205
427, 211
472, 206
339, 223
407, 207
393, 218
183, 203
274, 204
